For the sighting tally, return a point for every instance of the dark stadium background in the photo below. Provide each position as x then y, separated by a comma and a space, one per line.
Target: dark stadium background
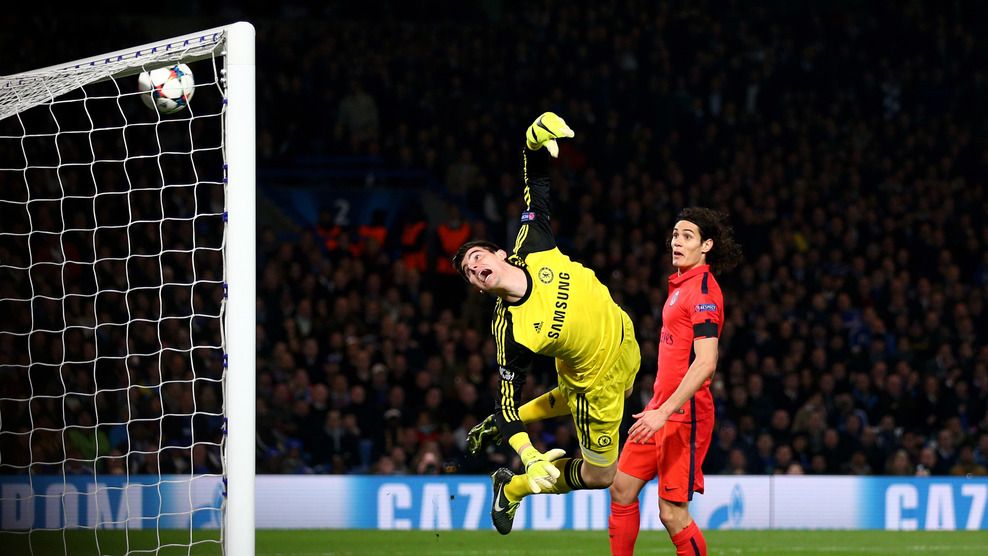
845, 139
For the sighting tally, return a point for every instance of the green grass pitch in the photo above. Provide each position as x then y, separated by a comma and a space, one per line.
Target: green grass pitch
537, 543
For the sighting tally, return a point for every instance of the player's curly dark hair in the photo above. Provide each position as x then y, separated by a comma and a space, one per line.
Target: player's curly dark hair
726, 252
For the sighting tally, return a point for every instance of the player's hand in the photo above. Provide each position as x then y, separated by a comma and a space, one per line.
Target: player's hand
541, 473
649, 422
544, 131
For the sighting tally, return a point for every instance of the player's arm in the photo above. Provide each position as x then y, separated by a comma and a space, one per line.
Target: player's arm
539, 470
535, 233
508, 401
702, 368
514, 361
706, 318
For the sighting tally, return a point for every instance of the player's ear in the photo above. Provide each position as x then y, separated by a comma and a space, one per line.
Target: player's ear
707, 246
501, 253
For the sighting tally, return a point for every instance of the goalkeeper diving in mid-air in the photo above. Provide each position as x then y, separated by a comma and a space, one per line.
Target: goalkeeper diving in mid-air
550, 305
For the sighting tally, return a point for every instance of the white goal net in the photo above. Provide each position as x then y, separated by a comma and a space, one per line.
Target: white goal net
126, 304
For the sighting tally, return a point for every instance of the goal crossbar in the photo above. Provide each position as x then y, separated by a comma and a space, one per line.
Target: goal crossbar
122, 63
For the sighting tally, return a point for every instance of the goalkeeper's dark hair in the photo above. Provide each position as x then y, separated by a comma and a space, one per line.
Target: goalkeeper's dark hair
462, 252
726, 252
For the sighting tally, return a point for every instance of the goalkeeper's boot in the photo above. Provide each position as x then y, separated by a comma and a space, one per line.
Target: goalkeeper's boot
502, 509
483, 435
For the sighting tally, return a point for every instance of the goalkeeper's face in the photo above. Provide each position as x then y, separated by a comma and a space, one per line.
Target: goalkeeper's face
485, 269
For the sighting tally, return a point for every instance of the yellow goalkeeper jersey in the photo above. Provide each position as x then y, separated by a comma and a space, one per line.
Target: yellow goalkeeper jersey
566, 313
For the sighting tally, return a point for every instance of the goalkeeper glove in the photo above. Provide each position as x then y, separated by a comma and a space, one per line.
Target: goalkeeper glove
544, 131
539, 470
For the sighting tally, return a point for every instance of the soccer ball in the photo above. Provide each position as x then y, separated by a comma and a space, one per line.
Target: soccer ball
167, 89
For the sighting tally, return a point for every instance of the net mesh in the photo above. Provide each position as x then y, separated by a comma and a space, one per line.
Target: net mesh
112, 230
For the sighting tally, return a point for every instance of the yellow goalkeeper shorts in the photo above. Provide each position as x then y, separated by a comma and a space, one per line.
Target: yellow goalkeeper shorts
598, 411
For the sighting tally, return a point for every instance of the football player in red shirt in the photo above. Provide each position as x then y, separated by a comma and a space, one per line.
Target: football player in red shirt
672, 434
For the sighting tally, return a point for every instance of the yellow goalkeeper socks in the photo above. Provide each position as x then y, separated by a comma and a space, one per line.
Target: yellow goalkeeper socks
569, 476
569, 480
518, 488
548, 405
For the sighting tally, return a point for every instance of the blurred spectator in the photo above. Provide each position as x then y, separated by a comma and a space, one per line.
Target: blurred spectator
858, 465
928, 464
452, 232
358, 117
967, 465
737, 463
764, 457
725, 439
339, 438
783, 458
794, 469
898, 464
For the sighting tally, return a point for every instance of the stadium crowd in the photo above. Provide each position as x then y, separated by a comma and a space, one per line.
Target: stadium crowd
846, 144
845, 140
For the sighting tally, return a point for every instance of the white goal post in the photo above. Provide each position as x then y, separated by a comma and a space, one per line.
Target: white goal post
127, 303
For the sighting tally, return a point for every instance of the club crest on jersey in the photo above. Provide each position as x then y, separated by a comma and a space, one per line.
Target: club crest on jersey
705, 307
675, 296
506, 374
527, 216
545, 275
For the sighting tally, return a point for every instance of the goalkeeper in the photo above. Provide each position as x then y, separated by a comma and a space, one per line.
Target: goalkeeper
553, 306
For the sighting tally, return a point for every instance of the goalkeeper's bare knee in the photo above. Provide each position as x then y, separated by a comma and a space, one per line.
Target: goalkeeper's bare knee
598, 477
